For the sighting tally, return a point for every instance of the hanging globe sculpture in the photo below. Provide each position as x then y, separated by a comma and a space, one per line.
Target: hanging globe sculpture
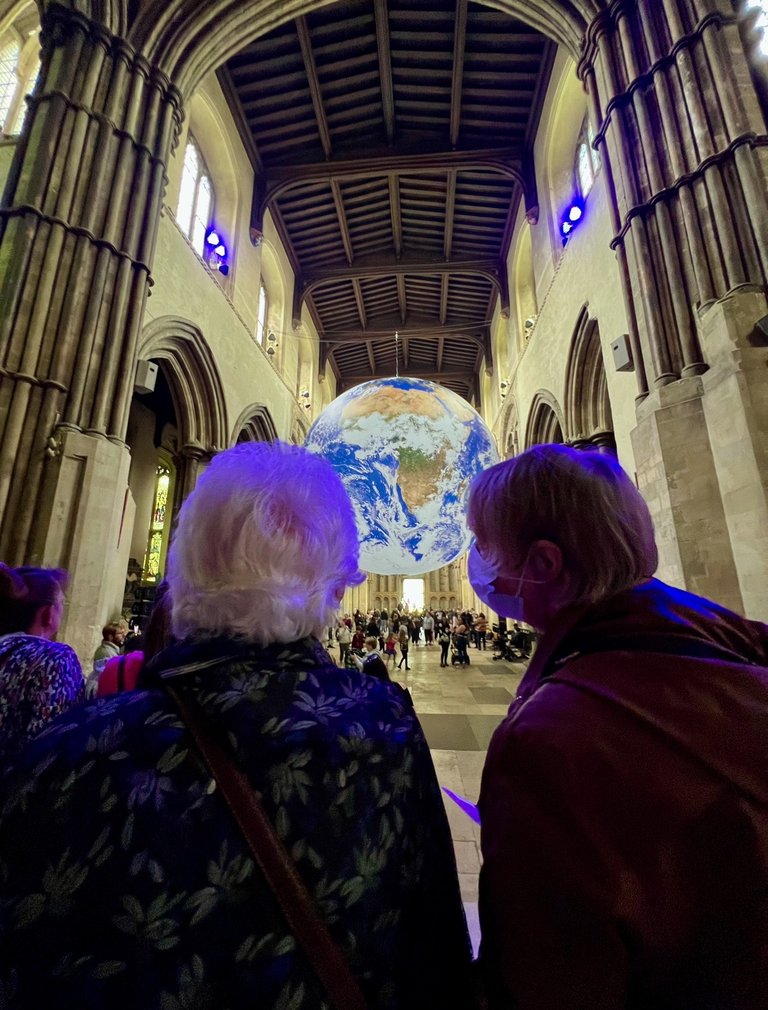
406, 450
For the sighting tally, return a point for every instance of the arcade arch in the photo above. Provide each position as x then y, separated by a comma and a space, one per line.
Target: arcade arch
545, 420
588, 418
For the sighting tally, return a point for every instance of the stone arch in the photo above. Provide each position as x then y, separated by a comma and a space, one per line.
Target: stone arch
509, 428
587, 404
194, 380
255, 424
545, 420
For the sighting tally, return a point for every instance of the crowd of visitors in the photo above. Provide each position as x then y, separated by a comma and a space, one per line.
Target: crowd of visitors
402, 629
624, 801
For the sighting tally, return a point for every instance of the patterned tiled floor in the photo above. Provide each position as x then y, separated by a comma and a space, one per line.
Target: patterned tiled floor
459, 708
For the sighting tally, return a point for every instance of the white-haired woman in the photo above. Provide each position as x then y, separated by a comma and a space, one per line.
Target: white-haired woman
624, 800
156, 898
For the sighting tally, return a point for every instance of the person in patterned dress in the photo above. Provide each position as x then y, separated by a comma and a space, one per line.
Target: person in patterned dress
39, 678
125, 881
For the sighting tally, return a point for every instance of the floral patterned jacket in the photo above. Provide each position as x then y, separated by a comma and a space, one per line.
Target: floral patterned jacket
125, 883
39, 679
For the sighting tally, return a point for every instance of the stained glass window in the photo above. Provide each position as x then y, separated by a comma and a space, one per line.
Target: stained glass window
157, 529
9, 81
195, 207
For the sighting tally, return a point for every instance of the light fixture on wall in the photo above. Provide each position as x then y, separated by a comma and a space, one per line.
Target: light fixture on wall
503, 388
304, 397
573, 216
271, 343
217, 251
528, 326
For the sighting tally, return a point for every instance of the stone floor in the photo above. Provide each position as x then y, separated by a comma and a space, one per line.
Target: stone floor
459, 708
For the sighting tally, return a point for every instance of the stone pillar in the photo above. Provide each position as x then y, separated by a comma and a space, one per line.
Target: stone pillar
190, 462
78, 225
735, 405
683, 140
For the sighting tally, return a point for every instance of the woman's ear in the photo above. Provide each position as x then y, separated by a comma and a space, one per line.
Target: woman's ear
545, 561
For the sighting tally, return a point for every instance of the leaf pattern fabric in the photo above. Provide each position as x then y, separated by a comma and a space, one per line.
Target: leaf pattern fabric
125, 883
39, 679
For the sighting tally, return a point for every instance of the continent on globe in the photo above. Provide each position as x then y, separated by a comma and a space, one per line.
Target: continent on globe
406, 450
418, 474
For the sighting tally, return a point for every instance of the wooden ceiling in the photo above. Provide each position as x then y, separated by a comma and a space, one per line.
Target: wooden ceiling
391, 142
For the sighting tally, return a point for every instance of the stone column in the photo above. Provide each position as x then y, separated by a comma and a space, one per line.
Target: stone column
683, 140
78, 223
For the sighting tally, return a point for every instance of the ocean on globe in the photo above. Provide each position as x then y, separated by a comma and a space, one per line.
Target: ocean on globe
406, 450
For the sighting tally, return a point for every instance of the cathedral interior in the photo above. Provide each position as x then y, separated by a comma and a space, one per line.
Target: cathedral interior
216, 217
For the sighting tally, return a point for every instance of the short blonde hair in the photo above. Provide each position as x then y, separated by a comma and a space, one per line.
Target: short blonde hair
264, 547
582, 501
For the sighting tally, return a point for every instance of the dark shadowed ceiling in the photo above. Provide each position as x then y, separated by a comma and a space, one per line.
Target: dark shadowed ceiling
391, 141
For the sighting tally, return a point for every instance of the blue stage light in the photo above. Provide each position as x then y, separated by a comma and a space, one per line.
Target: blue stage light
212, 238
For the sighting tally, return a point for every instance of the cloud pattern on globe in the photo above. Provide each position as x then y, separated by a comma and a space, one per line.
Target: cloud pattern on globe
406, 450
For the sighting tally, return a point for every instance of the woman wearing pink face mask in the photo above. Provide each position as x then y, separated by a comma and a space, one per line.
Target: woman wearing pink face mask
624, 801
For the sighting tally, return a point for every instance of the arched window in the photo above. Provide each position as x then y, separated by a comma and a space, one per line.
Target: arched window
19, 68
761, 23
194, 212
9, 81
587, 160
261, 318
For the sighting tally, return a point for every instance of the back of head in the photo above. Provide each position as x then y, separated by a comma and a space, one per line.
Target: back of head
264, 547
582, 501
23, 591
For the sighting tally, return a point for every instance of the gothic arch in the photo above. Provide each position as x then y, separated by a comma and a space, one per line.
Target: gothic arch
509, 441
545, 420
196, 387
587, 405
255, 424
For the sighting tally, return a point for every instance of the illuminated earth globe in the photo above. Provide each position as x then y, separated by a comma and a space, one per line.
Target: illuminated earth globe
406, 450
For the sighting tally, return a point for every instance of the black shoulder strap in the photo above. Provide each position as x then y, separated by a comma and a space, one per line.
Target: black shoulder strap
277, 866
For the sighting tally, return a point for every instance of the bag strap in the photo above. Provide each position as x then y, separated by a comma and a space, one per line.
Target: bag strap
277, 866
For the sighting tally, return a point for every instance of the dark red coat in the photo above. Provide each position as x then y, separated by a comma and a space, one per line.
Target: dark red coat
624, 810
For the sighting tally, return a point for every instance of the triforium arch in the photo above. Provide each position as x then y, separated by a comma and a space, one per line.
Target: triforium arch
255, 424
545, 420
587, 404
509, 429
196, 390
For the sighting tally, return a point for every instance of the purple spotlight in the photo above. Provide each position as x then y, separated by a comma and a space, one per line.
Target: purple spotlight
212, 238
575, 213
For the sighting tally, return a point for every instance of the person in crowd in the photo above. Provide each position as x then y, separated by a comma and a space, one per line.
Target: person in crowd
39, 678
390, 649
624, 800
415, 629
344, 638
480, 630
122, 673
429, 628
125, 880
358, 639
112, 638
461, 643
372, 663
403, 637
444, 641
